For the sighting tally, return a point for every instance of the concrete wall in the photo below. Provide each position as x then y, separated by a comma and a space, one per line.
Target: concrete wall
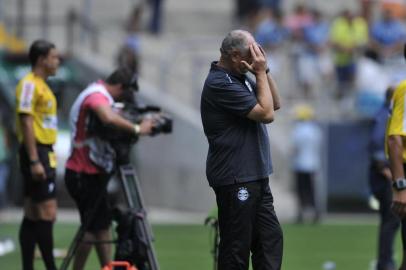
171, 167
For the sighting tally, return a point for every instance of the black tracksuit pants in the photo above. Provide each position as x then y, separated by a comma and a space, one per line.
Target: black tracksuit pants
248, 223
389, 222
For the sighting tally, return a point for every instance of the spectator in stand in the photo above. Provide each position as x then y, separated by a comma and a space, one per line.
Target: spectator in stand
300, 19
314, 63
246, 12
348, 37
274, 5
129, 54
155, 24
271, 34
388, 35
366, 7
370, 93
296, 23
397, 7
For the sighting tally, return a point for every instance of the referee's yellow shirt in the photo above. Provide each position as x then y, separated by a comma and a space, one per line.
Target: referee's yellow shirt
34, 97
397, 120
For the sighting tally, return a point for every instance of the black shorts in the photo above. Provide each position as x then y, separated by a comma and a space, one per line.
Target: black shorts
38, 190
88, 190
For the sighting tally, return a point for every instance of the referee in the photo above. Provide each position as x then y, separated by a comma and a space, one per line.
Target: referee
234, 111
37, 130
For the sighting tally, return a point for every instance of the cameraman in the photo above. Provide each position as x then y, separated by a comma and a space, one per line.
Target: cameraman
91, 162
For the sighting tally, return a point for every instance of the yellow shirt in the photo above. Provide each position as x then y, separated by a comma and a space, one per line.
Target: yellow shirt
397, 120
34, 97
349, 36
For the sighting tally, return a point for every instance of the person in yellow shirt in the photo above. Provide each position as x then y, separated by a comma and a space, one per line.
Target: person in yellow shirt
396, 149
36, 123
348, 36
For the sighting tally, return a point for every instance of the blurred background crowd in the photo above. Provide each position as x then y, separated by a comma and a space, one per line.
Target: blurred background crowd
349, 58
333, 62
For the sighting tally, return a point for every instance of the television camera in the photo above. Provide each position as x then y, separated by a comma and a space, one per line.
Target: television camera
121, 140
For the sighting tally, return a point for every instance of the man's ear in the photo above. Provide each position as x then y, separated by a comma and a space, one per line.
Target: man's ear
116, 89
40, 60
235, 56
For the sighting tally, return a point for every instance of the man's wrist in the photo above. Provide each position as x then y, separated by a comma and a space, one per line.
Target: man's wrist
137, 129
34, 162
267, 70
399, 184
260, 72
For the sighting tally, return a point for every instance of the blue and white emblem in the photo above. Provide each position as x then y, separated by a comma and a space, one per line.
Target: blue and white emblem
242, 194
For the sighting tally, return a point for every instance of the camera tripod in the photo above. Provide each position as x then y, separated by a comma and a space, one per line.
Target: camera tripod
129, 182
214, 224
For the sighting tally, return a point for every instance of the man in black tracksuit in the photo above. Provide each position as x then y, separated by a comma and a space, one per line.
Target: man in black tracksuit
380, 183
234, 111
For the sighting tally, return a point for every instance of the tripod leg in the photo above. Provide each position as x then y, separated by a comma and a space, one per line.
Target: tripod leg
216, 244
72, 248
103, 249
135, 201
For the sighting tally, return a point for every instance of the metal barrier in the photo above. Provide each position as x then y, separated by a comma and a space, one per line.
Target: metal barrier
73, 21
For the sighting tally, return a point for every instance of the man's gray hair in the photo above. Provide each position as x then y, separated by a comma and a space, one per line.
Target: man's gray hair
235, 40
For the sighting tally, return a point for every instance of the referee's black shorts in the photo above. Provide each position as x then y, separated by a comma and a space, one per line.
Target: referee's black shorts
248, 223
90, 194
39, 190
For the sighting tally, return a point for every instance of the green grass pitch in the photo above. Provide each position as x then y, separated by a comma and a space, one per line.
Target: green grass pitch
186, 247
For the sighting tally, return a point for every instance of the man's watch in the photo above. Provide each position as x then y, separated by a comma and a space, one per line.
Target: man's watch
137, 129
399, 184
